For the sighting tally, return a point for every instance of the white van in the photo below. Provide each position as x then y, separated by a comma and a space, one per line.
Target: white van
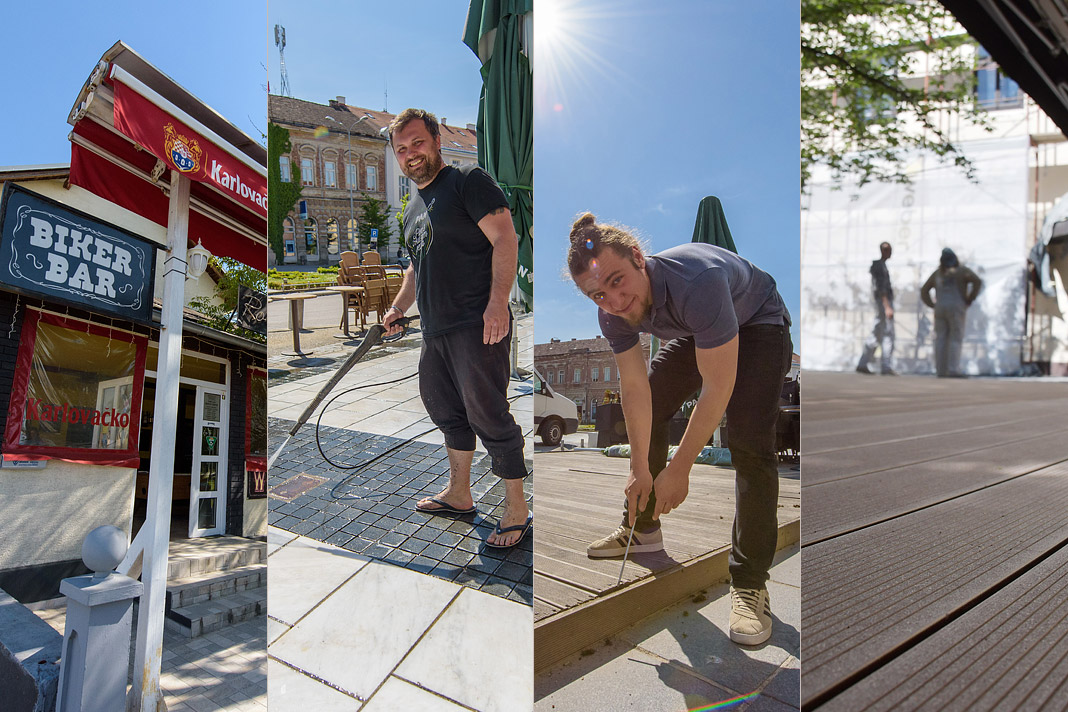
554, 415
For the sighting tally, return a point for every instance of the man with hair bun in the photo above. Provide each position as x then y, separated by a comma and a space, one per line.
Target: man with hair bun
726, 331
463, 250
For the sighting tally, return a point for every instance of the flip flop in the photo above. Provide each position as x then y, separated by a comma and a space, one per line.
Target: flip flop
518, 527
444, 508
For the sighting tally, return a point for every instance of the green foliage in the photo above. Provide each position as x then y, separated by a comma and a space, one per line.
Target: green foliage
234, 274
280, 280
864, 102
373, 214
283, 196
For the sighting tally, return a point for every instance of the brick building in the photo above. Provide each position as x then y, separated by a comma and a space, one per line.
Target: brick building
582, 370
328, 164
333, 153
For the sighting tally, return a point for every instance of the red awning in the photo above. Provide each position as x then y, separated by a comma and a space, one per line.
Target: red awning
129, 130
123, 188
183, 149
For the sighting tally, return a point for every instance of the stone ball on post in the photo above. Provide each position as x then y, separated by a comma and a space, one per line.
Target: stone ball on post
103, 549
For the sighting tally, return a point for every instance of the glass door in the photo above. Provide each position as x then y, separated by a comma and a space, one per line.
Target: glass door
207, 492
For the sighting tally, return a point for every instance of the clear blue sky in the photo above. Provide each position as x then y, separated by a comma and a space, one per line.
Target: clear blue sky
641, 110
360, 50
215, 49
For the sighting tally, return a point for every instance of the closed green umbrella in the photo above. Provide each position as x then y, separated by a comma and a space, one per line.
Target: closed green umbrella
711, 225
505, 126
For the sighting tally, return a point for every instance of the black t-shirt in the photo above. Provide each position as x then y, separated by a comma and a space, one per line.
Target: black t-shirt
452, 257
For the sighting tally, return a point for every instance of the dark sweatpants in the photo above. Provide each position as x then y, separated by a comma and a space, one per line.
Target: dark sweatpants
463, 384
764, 353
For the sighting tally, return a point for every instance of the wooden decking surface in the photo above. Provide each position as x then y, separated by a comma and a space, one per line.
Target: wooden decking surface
580, 498
934, 544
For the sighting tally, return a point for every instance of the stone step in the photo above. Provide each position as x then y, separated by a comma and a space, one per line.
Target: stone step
200, 618
211, 585
199, 556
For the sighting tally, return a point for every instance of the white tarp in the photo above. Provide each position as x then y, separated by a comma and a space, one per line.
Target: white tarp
985, 223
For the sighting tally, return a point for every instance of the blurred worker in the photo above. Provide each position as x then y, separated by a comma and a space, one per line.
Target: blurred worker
955, 287
882, 335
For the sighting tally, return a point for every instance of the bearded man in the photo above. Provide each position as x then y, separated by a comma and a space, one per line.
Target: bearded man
463, 251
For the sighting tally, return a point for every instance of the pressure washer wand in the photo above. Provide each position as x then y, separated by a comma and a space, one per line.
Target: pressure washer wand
374, 335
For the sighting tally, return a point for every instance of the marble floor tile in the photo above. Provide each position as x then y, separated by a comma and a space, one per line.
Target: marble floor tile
384, 609
290, 691
494, 660
302, 573
400, 695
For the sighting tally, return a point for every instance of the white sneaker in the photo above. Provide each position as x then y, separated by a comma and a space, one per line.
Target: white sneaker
750, 615
615, 544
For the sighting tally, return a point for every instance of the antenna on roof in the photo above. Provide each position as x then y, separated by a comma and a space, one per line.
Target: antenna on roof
280, 43
385, 98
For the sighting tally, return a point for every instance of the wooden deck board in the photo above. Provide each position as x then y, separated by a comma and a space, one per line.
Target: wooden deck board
580, 498
975, 662
911, 558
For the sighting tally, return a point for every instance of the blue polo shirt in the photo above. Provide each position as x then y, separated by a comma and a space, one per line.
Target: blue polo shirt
702, 291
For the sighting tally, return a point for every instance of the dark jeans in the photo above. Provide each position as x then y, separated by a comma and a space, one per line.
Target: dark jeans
464, 385
764, 353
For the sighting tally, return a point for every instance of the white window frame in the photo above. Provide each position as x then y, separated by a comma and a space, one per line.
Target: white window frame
329, 174
284, 169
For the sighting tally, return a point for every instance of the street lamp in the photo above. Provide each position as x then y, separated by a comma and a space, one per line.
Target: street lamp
197, 259
348, 130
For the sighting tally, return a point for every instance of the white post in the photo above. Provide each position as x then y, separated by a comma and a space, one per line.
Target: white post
146, 695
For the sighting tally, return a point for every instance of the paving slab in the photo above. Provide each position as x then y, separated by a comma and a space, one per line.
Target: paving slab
494, 658
371, 511
303, 572
421, 643
400, 695
385, 611
292, 691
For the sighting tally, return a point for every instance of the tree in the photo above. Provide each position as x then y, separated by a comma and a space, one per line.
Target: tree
283, 196
876, 75
373, 215
233, 274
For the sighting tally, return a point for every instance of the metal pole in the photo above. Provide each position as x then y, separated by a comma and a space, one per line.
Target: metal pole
348, 179
145, 696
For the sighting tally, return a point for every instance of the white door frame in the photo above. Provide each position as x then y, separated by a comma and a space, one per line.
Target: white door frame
222, 478
205, 426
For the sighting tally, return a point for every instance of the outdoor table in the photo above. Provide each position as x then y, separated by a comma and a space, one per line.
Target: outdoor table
345, 291
296, 318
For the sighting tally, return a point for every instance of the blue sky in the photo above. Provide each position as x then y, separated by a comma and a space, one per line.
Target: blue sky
361, 50
641, 110
216, 50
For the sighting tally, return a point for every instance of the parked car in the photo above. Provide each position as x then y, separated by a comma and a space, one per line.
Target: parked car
554, 415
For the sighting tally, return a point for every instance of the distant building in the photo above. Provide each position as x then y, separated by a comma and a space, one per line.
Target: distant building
341, 163
582, 370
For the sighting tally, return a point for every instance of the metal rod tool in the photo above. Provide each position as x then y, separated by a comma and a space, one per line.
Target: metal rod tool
374, 335
627, 551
